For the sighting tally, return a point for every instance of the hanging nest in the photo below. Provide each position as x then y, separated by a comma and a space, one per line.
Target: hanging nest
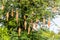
12, 13
25, 24
7, 16
44, 21
49, 22
29, 29
24, 17
2, 7
19, 31
17, 16
54, 9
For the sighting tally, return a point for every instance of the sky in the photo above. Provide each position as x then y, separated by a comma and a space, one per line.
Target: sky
53, 27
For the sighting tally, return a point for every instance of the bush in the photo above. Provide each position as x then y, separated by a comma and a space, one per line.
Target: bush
4, 35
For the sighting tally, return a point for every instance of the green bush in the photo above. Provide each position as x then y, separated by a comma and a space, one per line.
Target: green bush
11, 34
4, 35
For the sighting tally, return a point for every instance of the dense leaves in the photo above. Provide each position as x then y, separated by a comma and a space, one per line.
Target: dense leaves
19, 14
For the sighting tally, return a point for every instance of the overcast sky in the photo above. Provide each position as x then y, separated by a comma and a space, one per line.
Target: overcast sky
53, 27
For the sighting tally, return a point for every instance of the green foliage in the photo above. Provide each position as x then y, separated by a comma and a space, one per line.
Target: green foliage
32, 9
4, 35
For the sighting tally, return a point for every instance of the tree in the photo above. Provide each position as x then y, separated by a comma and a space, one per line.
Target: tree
21, 14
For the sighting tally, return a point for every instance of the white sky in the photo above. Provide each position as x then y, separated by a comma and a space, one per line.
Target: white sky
53, 27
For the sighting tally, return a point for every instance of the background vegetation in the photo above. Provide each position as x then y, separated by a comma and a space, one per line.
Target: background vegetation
17, 17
